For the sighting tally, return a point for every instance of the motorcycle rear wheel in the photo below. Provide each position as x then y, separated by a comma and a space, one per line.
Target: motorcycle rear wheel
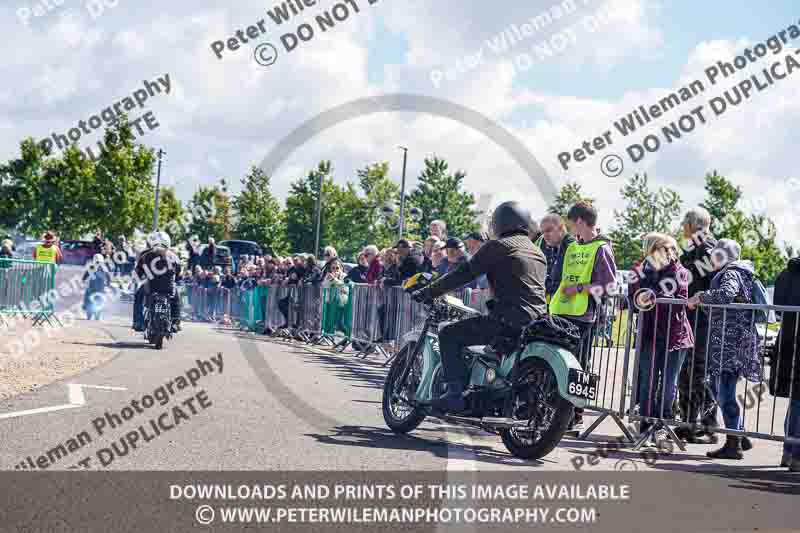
159, 342
537, 400
402, 423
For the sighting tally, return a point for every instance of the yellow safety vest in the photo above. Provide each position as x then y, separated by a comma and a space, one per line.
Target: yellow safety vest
578, 266
46, 253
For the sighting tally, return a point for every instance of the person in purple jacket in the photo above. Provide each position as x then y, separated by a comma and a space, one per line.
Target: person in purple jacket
666, 332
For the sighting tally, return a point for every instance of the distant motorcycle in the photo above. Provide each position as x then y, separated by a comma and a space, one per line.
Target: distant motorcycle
523, 388
158, 320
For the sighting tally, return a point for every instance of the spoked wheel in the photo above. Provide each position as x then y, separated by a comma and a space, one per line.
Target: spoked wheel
537, 401
398, 412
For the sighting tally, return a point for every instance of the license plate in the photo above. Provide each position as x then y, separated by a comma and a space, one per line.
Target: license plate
161, 308
583, 384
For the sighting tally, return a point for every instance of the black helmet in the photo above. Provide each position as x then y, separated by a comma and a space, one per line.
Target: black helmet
509, 217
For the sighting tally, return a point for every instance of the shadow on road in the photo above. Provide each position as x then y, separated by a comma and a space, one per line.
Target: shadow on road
358, 373
375, 437
113, 345
348, 369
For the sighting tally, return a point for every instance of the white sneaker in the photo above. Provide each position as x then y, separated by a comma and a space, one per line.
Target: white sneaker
662, 441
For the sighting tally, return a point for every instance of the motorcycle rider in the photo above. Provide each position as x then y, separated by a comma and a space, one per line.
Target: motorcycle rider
516, 271
157, 268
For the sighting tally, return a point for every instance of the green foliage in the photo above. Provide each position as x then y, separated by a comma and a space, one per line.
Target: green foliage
645, 211
73, 194
439, 195
352, 214
260, 217
755, 233
379, 191
211, 213
300, 208
569, 195
170, 213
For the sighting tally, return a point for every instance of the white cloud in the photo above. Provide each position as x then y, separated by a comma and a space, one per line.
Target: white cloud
221, 117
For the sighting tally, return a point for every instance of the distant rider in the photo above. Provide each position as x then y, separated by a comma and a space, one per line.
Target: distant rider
516, 271
158, 268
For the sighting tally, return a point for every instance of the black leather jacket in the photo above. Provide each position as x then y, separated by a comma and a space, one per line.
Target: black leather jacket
516, 270
159, 268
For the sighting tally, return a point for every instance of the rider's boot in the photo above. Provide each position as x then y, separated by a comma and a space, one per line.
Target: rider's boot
452, 400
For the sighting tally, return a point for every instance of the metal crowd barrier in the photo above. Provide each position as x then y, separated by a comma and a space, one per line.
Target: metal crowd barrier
27, 288
606, 351
723, 334
375, 320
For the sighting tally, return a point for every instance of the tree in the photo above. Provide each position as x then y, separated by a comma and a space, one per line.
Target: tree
439, 195
124, 183
379, 191
755, 233
569, 195
260, 217
212, 213
170, 213
73, 194
645, 211
300, 208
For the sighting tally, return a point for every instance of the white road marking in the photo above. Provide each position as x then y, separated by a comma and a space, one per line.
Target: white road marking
75, 396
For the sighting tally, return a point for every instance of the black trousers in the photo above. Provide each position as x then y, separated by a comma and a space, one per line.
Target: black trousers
453, 338
696, 398
283, 307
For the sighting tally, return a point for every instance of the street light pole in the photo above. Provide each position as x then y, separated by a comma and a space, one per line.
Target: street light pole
319, 214
403, 194
158, 185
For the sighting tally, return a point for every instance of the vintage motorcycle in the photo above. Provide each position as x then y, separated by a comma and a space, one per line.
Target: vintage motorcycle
523, 388
157, 320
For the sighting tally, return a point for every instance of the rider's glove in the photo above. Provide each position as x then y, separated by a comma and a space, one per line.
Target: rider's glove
422, 295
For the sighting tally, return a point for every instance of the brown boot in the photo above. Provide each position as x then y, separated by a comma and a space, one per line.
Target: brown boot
731, 450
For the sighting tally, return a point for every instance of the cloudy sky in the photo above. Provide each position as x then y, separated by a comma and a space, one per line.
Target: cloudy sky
66, 63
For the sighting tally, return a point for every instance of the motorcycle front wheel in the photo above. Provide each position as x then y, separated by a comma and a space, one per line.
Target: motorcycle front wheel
400, 416
536, 399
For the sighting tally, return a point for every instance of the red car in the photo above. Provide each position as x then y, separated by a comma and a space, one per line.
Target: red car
77, 252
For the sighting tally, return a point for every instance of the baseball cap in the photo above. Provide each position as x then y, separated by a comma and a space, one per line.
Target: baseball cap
475, 236
452, 242
403, 243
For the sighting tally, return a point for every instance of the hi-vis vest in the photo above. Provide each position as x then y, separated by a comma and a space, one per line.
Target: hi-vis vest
46, 253
578, 266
